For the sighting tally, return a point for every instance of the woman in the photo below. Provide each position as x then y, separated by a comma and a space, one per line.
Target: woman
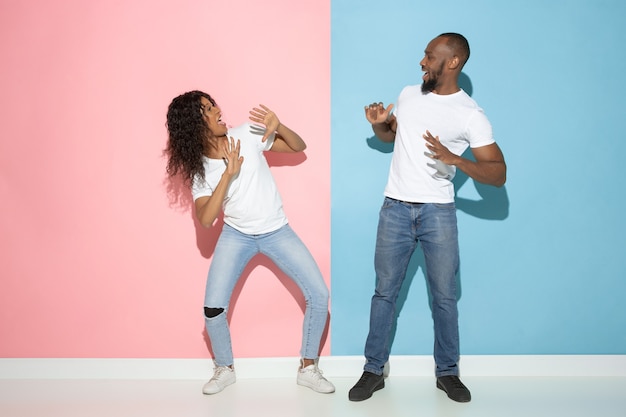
227, 170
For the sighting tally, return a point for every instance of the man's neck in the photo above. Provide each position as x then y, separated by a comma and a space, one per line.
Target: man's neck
447, 90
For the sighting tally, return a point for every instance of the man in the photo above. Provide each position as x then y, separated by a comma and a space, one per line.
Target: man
431, 127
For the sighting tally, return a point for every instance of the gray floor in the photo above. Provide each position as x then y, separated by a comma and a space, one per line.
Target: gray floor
402, 396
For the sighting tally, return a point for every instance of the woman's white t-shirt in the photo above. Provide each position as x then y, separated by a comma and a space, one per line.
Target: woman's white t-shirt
252, 204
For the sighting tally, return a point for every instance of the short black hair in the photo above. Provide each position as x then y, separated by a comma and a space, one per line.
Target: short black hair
459, 44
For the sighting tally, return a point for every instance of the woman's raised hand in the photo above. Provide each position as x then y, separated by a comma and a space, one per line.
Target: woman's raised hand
230, 154
266, 117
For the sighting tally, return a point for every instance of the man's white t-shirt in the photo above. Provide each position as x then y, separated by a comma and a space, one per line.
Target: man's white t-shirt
459, 123
252, 204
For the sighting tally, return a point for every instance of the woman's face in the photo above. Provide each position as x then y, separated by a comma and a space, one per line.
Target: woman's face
212, 114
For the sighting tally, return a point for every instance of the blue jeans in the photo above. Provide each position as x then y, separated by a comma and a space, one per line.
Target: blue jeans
232, 253
401, 226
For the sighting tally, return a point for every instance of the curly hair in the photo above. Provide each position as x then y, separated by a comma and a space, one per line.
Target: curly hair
187, 141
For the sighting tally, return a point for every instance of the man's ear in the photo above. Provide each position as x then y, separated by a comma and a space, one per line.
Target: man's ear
454, 62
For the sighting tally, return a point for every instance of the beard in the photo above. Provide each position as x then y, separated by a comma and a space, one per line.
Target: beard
429, 86
433, 80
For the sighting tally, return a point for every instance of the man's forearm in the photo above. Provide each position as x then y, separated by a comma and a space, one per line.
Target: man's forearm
486, 172
384, 131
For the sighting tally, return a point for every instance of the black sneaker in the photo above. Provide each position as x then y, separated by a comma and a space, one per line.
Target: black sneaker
367, 385
455, 389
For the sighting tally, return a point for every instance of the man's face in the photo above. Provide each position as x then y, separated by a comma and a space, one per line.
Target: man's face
435, 58
431, 78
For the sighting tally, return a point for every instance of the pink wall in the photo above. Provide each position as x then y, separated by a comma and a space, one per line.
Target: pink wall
96, 259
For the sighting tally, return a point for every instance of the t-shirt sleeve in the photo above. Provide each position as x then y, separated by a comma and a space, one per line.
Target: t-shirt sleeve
257, 133
267, 145
200, 188
479, 130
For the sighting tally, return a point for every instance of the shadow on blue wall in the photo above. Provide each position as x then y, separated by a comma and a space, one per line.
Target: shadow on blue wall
494, 202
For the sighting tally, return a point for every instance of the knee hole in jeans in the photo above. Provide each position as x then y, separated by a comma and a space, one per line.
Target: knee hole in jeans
210, 312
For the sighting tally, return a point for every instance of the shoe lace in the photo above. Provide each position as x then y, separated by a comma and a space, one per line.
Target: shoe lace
314, 371
362, 381
219, 371
456, 383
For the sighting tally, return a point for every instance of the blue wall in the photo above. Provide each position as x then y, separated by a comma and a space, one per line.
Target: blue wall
543, 262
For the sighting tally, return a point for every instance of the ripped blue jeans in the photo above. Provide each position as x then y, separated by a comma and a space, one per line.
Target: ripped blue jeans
232, 253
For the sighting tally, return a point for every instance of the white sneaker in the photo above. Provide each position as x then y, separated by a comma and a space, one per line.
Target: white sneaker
222, 377
311, 377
